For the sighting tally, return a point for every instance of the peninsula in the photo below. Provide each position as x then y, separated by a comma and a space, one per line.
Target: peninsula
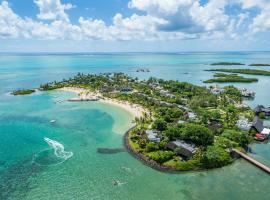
179, 126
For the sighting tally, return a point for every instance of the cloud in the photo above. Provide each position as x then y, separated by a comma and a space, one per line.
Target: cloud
162, 20
52, 10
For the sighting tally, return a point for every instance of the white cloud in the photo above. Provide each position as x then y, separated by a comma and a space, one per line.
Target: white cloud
163, 20
52, 10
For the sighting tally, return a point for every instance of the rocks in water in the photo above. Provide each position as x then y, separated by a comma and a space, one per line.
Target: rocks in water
110, 150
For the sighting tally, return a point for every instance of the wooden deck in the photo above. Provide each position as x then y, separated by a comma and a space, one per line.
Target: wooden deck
253, 161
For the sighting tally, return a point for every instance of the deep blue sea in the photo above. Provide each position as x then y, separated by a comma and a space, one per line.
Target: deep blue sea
30, 170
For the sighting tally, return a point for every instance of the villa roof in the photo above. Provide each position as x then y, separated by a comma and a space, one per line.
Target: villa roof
257, 124
183, 148
261, 108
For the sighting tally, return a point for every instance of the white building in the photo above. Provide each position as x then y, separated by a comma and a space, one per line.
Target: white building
243, 124
152, 135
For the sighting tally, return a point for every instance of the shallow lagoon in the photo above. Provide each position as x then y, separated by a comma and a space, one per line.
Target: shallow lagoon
84, 127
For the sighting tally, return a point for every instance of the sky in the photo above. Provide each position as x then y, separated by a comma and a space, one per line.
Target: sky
134, 25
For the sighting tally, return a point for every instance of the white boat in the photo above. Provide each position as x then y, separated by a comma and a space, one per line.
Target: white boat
53, 121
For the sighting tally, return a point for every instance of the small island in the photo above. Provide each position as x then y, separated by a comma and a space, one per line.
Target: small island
259, 65
230, 78
227, 63
23, 92
242, 71
182, 127
142, 70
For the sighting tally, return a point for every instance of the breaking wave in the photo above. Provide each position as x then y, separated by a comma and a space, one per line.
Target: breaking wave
52, 156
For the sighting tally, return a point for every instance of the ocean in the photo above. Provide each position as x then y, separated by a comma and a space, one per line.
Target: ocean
29, 143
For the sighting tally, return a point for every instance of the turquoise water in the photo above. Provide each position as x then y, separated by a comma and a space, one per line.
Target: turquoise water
30, 170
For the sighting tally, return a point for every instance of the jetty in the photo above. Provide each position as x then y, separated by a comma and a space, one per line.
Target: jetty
252, 161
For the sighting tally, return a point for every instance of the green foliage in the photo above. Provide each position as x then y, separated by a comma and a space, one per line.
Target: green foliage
230, 78
227, 63
173, 132
160, 124
224, 142
197, 134
22, 92
142, 142
241, 137
231, 116
161, 156
203, 101
262, 115
233, 93
259, 65
169, 114
243, 71
151, 146
215, 157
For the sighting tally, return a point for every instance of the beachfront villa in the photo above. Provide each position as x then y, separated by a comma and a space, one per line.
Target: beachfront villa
152, 135
182, 148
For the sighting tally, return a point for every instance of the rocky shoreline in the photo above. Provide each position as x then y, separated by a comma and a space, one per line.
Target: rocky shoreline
151, 163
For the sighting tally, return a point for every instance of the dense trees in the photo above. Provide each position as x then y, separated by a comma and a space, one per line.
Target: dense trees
197, 134
203, 101
215, 157
194, 133
241, 137
161, 156
160, 124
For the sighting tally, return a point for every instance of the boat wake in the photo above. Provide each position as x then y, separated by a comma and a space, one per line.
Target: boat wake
53, 156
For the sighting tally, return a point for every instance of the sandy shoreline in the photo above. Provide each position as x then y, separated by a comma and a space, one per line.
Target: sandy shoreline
135, 110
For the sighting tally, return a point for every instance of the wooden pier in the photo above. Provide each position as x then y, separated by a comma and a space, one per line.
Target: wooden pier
252, 161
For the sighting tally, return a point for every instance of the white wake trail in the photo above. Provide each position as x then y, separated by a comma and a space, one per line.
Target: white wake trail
59, 149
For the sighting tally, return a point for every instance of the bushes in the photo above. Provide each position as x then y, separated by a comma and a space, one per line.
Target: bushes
262, 115
169, 114
161, 156
197, 134
172, 132
241, 137
151, 146
203, 101
22, 92
160, 125
215, 157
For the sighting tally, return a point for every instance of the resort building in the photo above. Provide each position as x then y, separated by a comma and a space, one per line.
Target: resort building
243, 124
126, 90
257, 124
152, 135
247, 93
261, 109
216, 89
182, 148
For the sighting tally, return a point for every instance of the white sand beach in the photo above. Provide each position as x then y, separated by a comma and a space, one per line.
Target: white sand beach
135, 110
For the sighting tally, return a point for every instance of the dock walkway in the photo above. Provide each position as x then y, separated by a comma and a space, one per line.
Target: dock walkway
253, 161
